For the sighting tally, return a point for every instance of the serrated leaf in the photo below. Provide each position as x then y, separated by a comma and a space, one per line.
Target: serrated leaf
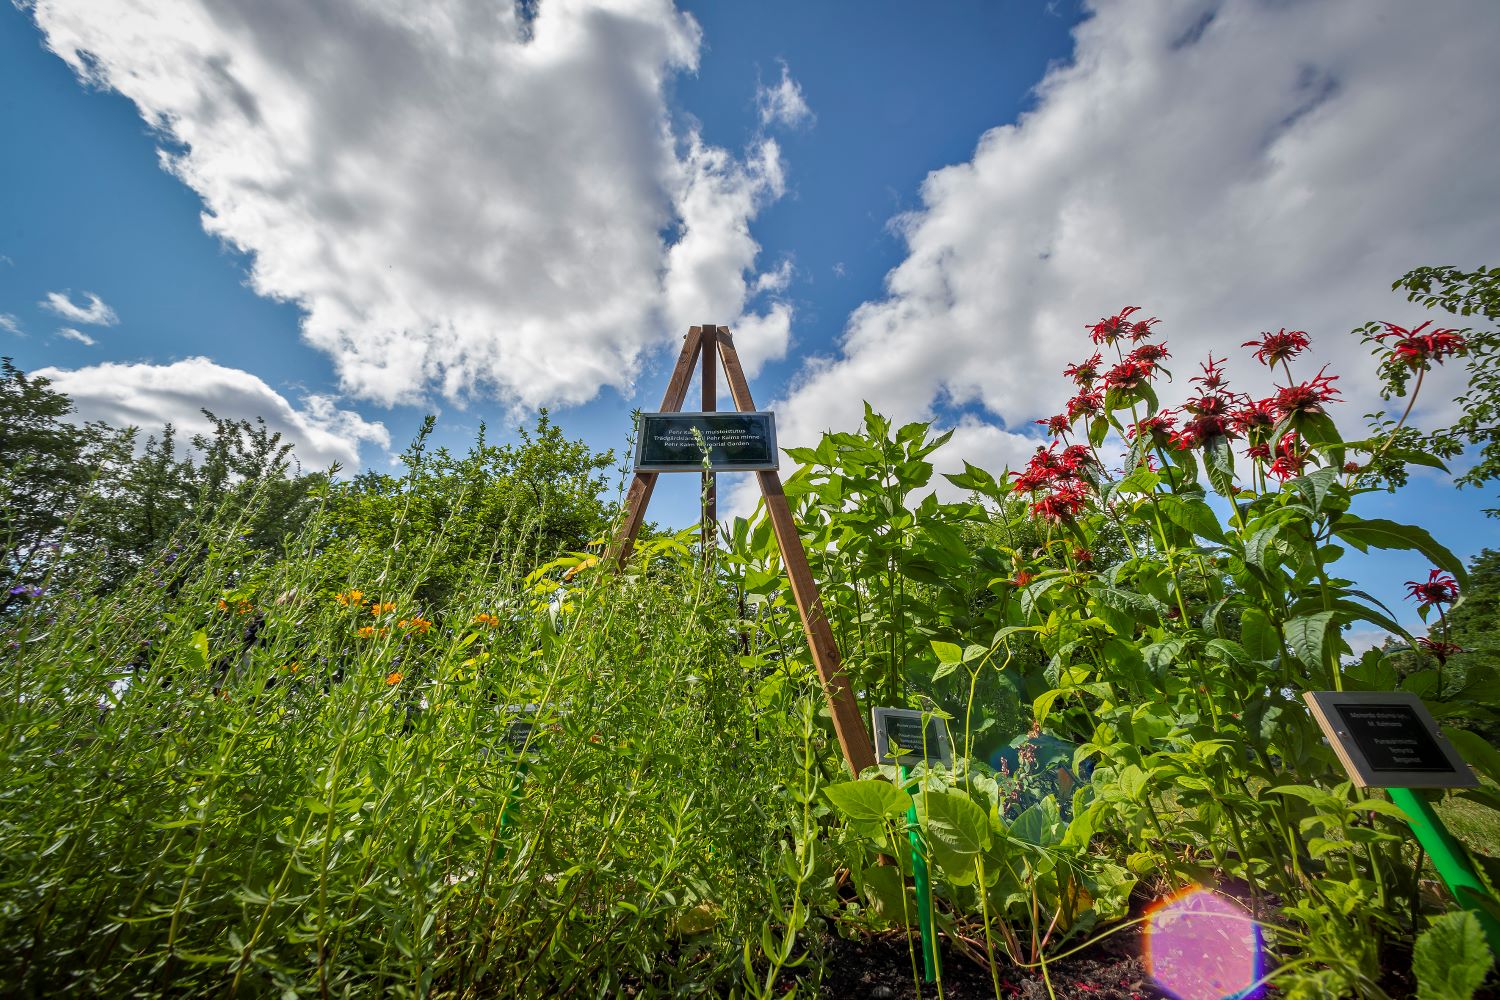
1194, 515
1307, 634
1451, 958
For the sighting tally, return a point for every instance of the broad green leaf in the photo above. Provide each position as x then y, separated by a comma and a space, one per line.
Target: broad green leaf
1218, 457
1194, 515
1379, 533
1040, 825
1451, 958
1306, 636
948, 652
952, 819
1142, 480
1476, 751
1258, 635
868, 801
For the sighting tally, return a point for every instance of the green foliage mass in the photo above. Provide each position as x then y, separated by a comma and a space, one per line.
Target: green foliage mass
262, 730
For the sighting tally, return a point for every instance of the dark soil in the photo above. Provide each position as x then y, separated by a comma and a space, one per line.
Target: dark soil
880, 968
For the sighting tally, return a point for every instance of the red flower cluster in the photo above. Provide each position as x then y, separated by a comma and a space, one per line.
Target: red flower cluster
1416, 349
1438, 648
1439, 589
1280, 346
1289, 462
1306, 397
1087, 403
1062, 475
1084, 372
1112, 328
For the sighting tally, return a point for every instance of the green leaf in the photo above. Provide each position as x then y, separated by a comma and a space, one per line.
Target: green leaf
953, 820
1218, 458
1040, 825
1142, 480
1306, 636
1194, 515
1451, 958
1476, 751
868, 801
948, 652
1379, 533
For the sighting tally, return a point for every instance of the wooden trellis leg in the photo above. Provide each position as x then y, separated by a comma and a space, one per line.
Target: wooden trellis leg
842, 706
710, 337
639, 494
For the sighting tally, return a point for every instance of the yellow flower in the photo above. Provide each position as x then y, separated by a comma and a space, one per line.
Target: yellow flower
355, 597
394, 677
489, 620
292, 667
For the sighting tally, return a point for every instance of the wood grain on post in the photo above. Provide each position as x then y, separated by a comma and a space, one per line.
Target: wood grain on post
639, 494
842, 706
709, 340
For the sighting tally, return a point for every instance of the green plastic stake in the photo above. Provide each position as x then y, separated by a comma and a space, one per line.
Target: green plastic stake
1450, 859
924, 890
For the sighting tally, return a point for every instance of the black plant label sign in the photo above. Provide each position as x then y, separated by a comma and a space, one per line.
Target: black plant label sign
1388, 739
730, 442
1392, 738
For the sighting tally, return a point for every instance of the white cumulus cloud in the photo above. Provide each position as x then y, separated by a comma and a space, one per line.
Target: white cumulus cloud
1232, 167
148, 396
465, 197
94, 310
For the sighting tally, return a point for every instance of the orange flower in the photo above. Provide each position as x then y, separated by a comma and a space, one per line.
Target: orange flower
292, 667
246, 607
370, 631
489, 620
417, 624
355, 597
223, 604
394, 677
379, 609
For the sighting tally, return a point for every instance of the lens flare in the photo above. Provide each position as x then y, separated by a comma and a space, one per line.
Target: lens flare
1203, 946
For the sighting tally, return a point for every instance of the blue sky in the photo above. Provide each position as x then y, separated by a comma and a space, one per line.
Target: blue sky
343, 220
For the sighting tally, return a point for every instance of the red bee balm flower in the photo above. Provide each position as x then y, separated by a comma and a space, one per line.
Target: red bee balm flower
1112, 328
1084, 372
1416, 349
1280, 346
1306, 397
1087, 402
1441, 650
1438, 589
1058, 425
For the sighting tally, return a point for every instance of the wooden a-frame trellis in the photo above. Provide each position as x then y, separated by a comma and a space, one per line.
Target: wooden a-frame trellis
703, 342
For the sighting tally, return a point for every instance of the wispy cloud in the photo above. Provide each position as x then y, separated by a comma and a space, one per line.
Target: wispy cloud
783, 103
10, 324
69, 333
483, 200
93, 311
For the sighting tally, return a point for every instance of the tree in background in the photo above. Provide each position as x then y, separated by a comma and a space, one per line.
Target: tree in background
47, 466
1477, 429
